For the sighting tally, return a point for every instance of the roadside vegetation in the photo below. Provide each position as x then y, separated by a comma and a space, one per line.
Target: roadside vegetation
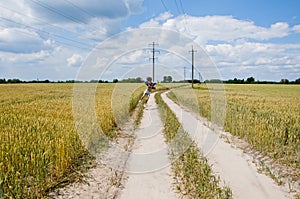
266, 116
40, 148
193, 174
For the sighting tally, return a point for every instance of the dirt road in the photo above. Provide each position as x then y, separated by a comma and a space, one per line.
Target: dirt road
231, 164
147, 174
148, 167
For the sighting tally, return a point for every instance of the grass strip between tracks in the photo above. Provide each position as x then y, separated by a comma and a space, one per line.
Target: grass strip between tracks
192, 174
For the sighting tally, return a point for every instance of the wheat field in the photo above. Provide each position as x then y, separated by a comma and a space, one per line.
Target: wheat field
39, 142
266, 116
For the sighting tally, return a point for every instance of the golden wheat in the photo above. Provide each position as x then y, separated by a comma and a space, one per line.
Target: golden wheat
39, 142
267, 116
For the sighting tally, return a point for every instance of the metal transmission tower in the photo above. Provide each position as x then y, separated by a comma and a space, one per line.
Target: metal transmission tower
192, 51
153, 57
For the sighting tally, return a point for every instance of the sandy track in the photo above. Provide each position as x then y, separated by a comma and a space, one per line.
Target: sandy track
126, 171
231, 164
103, 180
148, 168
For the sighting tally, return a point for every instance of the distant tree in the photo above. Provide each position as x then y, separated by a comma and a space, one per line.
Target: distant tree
284, 81
139, 80
70, 81
13, 81
94, 81
115, 80
2, 81
167, 79
250, 80
297, 81
164, 79
213, 81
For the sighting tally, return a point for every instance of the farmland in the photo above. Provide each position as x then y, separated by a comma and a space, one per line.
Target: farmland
266, 116
39, 144
48, 130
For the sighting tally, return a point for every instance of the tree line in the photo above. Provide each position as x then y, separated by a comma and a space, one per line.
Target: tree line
251, 80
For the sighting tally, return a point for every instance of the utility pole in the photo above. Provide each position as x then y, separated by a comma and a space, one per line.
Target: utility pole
153, 58
193, 51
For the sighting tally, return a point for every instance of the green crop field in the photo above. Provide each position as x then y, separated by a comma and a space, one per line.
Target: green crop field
39, 144
266, 116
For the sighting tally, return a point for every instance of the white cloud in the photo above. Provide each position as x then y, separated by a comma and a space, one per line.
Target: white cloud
219, 28
24, 58
227, 41
164, 16
296, 28
94, 19
157, 21
50, 65
256, 59
22, 41
75, 60
81, 11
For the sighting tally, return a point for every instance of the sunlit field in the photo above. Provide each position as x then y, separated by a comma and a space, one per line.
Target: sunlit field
266, 116
39, 142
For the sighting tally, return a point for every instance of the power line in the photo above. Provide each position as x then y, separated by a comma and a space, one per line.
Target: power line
69, 17
79, 8
54, 10
34, 36
39, 20
185, 19
164, 5
48, 33
177, 6
181, 7
86, 12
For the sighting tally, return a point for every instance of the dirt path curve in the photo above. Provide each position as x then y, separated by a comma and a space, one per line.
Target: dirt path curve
231, 164
148, 168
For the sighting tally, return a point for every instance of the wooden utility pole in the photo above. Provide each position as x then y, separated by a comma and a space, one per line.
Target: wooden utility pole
193, 51
153, 58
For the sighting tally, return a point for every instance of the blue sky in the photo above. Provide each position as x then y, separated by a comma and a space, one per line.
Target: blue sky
261, 12
56, 39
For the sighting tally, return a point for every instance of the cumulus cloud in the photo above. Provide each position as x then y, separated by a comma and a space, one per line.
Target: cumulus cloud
81, 11
256, 59
296, 28
22, 41
24, 58
83, 19
75, 60
239, 47
224, 28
